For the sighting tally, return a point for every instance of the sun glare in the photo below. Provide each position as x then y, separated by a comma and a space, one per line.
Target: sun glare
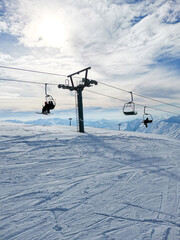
51, 32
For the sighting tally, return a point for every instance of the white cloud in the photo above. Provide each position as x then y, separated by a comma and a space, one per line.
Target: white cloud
120, 41
4, 58
3, 26
96, 27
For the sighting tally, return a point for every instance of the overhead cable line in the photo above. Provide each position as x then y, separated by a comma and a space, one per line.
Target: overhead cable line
33, 71
32, 82
136, 103
139, 95
62, 75
40, 83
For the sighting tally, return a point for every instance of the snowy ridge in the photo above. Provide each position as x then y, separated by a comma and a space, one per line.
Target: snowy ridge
169, 127
60, 184
163, 127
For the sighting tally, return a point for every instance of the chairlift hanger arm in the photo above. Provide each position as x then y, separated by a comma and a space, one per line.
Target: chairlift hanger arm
46, 89
144, 109
131, 96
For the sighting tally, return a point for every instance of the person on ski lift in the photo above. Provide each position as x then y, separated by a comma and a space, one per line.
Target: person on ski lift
46, 108
51, 105
146, 121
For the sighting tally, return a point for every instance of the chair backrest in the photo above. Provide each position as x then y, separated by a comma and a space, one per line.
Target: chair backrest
149, 116
129, 108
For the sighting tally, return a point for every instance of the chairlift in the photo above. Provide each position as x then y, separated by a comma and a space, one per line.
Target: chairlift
49, 103
129, 108
49, 99
147, 117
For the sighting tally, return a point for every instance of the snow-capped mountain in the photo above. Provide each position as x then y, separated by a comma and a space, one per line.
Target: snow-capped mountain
103, 123
170, 126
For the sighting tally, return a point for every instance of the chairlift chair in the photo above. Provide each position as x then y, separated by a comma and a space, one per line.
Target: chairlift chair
129, 108
147, 116
49, 103
49, 99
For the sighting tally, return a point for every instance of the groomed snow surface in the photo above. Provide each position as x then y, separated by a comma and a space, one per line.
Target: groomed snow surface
56, 184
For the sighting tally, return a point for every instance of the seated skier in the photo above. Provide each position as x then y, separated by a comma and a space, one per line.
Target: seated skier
46, 108
51, 105
146, 121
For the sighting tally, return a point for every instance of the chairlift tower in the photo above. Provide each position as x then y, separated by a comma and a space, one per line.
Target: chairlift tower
70, 121
79, 88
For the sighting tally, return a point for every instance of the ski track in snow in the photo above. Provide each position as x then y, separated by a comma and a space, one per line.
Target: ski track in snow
60, 184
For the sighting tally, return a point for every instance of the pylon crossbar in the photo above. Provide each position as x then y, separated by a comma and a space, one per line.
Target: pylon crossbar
85, 69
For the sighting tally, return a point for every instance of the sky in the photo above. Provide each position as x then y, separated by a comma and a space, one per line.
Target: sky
130, 45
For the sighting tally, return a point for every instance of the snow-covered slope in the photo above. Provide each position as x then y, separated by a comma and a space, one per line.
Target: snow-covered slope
56, 184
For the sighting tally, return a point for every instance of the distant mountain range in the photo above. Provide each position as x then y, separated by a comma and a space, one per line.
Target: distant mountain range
170, 126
